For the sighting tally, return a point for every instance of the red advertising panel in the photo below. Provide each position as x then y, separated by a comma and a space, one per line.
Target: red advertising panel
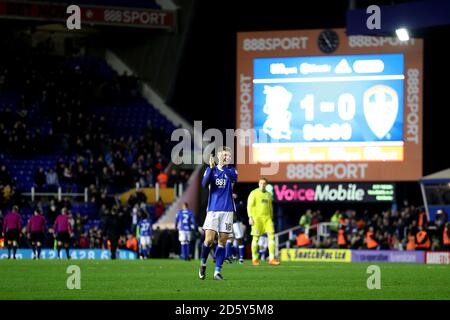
113, 16
316, 105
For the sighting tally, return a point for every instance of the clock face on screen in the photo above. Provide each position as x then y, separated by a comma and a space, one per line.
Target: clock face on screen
328, 41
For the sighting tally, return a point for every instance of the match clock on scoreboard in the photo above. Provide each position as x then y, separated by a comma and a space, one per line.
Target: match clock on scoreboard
328, 41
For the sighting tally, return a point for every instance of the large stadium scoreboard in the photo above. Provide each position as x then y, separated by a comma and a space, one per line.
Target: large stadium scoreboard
327, 107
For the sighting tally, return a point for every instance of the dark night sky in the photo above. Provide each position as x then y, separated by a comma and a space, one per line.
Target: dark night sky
206, 84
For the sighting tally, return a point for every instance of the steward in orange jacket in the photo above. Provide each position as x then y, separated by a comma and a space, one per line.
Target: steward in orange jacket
422, 240
446, 237
371, 243
342, 238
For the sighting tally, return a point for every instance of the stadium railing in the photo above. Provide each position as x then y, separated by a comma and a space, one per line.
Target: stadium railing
280, 237
59, 194
285, 238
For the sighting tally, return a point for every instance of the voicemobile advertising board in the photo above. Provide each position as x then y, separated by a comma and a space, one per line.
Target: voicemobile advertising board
327, 107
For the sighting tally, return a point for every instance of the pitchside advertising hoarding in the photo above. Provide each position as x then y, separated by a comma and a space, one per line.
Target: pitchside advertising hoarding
345, 255
90, 14
354, 114
331, 192
316, 255
76, 254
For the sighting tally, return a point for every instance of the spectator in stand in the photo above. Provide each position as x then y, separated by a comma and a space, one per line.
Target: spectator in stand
79, 223
316, 218
441, 219
65, 203
83, 243
134, 217
52, 180
5, 178
395, 244
158, 166
357, 239
173, 178
305, 221
7, 194
162, 179
149, 178
159, 208
39, 179
52, 212
335, 221
68, 178
122, 244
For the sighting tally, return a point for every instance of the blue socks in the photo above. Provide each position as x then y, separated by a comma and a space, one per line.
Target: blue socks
205, 253
185, 254
241, 252
228, 249
183, 251
220, 256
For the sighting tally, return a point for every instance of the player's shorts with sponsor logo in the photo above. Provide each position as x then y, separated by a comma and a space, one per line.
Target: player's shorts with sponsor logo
184, 235
145, 241
262, 225
219, 221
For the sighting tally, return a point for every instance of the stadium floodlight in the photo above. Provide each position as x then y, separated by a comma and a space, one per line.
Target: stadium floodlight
402, 34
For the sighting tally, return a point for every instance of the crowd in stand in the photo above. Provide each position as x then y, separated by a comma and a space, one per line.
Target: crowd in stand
114, 165
405, 229
64, 90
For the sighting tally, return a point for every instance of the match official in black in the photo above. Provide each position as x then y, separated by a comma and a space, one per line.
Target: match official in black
111, 230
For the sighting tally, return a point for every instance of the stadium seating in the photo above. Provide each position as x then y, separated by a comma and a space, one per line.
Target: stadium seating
127, 119
114, 98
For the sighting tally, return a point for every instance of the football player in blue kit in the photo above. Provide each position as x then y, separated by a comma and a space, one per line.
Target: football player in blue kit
219, 217
185, 224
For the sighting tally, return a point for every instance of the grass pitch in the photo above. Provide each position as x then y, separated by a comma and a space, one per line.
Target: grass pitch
173, 279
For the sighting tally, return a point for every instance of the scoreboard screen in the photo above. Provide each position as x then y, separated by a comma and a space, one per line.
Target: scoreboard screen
332, 108
306, 114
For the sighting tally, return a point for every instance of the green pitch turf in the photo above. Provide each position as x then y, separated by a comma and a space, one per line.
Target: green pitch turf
174, 279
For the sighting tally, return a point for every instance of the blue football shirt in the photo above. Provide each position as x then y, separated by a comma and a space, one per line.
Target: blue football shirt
220, 182
186, 219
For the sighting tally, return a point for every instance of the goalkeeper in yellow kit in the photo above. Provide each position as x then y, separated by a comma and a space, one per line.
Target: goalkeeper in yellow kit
259, 209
